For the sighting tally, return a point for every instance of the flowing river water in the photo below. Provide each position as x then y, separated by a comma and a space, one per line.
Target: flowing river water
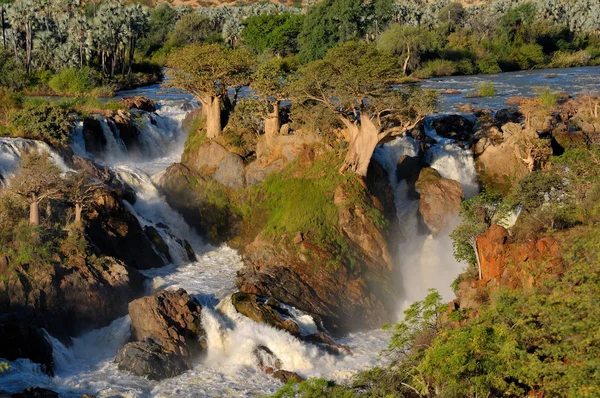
230, 366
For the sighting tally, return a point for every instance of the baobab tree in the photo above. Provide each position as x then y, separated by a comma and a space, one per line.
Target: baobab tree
354, 81
38, 179
272, 80
80, 191
208, 71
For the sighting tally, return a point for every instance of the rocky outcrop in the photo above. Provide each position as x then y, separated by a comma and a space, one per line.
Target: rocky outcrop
509, 153
140, 103
455, 127
285, 376
116, 232
440, 200
263, 310
105, 176
166, 333
257, 171
507, 263
343, 295
69, 298
36, 392
21, 339
187, 192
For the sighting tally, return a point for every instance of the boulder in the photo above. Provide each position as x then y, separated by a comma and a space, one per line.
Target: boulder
166, 332
507, 115
207, 158
105, 176
257, 171
267, 361
454, 126
158, 241
148, 359
285, 376
230, 172
140, 103
21, 339
440, 200
262, 310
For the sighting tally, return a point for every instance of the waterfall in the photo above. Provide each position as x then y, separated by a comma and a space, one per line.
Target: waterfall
424, 261
12, 149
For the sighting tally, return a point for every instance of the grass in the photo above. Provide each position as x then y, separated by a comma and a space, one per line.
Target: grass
547, 97
485, 89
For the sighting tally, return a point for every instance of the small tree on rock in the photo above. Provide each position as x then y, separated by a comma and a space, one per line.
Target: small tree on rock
80, 191
39, 179
354, 81
208, 71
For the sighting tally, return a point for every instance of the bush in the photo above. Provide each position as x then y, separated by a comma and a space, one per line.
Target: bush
47, 122
437, 68
485, 89
488, 66
73, 82
567, 59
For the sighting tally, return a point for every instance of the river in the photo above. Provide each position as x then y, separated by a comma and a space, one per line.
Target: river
230, 367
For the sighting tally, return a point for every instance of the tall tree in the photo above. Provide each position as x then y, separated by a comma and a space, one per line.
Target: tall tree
3, 21
39, 178
208, 71
354, 82
80, 191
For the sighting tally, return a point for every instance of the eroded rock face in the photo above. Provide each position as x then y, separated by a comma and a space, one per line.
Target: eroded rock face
116, 232
67, 299
263, 310
166, 332
504, 262
440, 200
36, 392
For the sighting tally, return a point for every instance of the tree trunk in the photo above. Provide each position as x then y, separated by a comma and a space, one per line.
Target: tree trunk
272, 122
34, 211
212, 111
363, 140
3, 28
78, 212
28, 45
405, 66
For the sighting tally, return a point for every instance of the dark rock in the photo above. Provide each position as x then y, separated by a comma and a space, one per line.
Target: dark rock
262, 311
148, 359
23, 340
166, 332
454, 126
158, 241
324, 341
36, 392
116, 232
105, 176
418, 132
285, 376
230, 172
95, 142
507, 115
189, 250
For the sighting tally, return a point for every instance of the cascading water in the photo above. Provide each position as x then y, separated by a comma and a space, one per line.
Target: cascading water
425, 262
230, 366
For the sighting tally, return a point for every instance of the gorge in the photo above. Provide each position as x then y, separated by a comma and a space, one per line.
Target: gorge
423, 167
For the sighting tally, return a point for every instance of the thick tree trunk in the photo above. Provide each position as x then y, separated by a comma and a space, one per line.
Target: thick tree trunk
34, 211
363, 140
3, 28
272, 122
78, 212
28, 45
212, 111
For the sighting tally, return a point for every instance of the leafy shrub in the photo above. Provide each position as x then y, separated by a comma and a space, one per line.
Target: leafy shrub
488, 66
9, 102
73, 82
47, 122
547, 97
437, 68
485, 89
567, 59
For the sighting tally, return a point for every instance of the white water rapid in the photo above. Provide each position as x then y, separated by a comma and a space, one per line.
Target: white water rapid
230, 367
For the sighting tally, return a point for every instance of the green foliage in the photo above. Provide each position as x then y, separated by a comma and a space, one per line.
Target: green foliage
477, 215
277, 33
312, 388
437, 68
547, 97
193, 28
485, 89
72, 82
4, 367
43, 122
